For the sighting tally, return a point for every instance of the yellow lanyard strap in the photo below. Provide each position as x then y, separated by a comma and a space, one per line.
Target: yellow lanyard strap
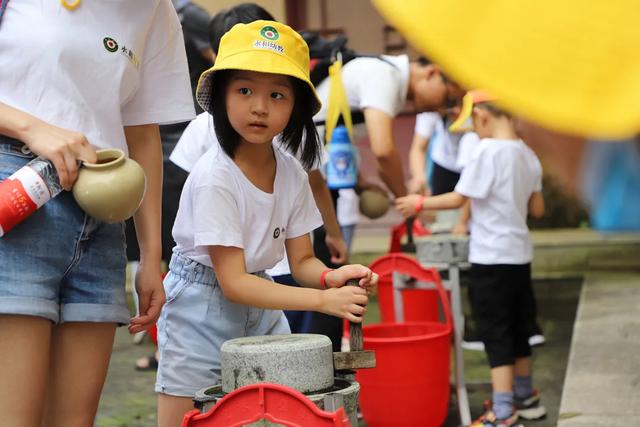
337, 103
70, 6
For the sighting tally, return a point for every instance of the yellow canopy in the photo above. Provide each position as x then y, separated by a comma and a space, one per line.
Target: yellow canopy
569, 65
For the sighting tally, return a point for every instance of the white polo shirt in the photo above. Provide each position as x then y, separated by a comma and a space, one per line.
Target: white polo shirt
102, 66
220, 206
198, 137
499, 179
371, 83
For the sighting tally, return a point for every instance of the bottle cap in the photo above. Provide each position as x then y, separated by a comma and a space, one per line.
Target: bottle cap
340, 135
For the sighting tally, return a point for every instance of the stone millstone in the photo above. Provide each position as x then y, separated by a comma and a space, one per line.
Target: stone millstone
301, 361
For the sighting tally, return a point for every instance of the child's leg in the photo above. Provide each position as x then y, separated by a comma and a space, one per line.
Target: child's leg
171, 409
493, 311
522, 386
80, 353
502, 378
525, 321
24, 363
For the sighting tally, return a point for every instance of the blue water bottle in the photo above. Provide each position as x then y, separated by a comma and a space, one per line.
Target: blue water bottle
341, 168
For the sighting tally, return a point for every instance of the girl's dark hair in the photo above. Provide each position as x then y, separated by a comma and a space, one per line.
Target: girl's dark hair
244, 13
299, 137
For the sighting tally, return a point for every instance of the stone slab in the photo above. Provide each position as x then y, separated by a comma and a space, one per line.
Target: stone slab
301, 361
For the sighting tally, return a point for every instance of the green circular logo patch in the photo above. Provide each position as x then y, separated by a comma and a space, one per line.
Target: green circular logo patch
110, 44
269, 33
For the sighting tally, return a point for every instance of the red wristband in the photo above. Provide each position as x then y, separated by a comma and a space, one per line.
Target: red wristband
323, 278
420, 203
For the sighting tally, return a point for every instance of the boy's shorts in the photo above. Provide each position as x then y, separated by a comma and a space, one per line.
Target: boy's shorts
60, 263
504, 310
195, 321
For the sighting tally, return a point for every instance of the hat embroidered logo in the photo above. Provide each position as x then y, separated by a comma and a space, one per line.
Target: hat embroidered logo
269, 33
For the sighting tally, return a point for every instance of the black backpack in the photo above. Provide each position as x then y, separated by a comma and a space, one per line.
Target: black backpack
324, 52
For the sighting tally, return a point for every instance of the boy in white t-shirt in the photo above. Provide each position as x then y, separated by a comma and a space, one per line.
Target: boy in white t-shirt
503, 180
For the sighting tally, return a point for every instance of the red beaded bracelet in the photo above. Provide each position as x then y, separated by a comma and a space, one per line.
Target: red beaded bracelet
419, 203
323, 278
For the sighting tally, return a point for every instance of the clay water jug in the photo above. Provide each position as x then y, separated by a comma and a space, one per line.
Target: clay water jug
111, 189
373, 204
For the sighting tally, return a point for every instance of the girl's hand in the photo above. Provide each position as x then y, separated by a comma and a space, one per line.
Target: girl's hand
150, 296
367, 279
407, 204
64, 148
347, 302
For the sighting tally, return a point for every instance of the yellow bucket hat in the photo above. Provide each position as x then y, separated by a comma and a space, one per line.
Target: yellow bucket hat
470, 99
262, 46
571, 66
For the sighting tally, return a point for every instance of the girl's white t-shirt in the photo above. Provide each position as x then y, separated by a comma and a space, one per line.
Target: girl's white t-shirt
499, 179
198, 137
102, 66
220, 206
444, 150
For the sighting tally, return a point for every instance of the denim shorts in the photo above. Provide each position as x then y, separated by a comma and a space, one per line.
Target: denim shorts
60, 263
195, 321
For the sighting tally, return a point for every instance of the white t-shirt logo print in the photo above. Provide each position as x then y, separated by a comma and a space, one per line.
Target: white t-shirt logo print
276, 233
112, 46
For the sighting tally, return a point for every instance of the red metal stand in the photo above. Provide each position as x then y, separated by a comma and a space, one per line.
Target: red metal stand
274, 402
400, 230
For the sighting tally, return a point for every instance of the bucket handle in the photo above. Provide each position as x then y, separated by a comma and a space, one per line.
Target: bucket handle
391, 263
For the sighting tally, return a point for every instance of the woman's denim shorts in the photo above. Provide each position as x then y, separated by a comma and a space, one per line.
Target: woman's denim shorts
195, 321
60, 263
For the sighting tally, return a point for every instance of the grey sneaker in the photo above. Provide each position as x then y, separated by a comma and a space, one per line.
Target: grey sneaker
530, 408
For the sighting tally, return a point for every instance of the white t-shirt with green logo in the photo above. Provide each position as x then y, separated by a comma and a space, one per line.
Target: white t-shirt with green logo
220, 206
499, 179
95, 69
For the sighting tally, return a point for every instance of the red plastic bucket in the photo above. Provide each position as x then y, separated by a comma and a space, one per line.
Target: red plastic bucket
419, 305
410, 384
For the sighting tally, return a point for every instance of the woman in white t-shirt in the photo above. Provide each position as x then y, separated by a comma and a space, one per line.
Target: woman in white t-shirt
241, 205
75, 78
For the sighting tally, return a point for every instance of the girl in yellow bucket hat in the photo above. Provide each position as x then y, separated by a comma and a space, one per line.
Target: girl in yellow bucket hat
243, 203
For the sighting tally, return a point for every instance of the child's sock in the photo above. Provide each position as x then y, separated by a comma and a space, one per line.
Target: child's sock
522, 387
503, 404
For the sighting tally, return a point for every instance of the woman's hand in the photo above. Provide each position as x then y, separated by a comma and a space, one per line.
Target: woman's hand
460, 229
417, 185
347, 302
337, 248
150, 296
64, 148
366, 278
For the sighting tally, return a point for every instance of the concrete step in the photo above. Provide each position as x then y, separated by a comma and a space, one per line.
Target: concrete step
602, 379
